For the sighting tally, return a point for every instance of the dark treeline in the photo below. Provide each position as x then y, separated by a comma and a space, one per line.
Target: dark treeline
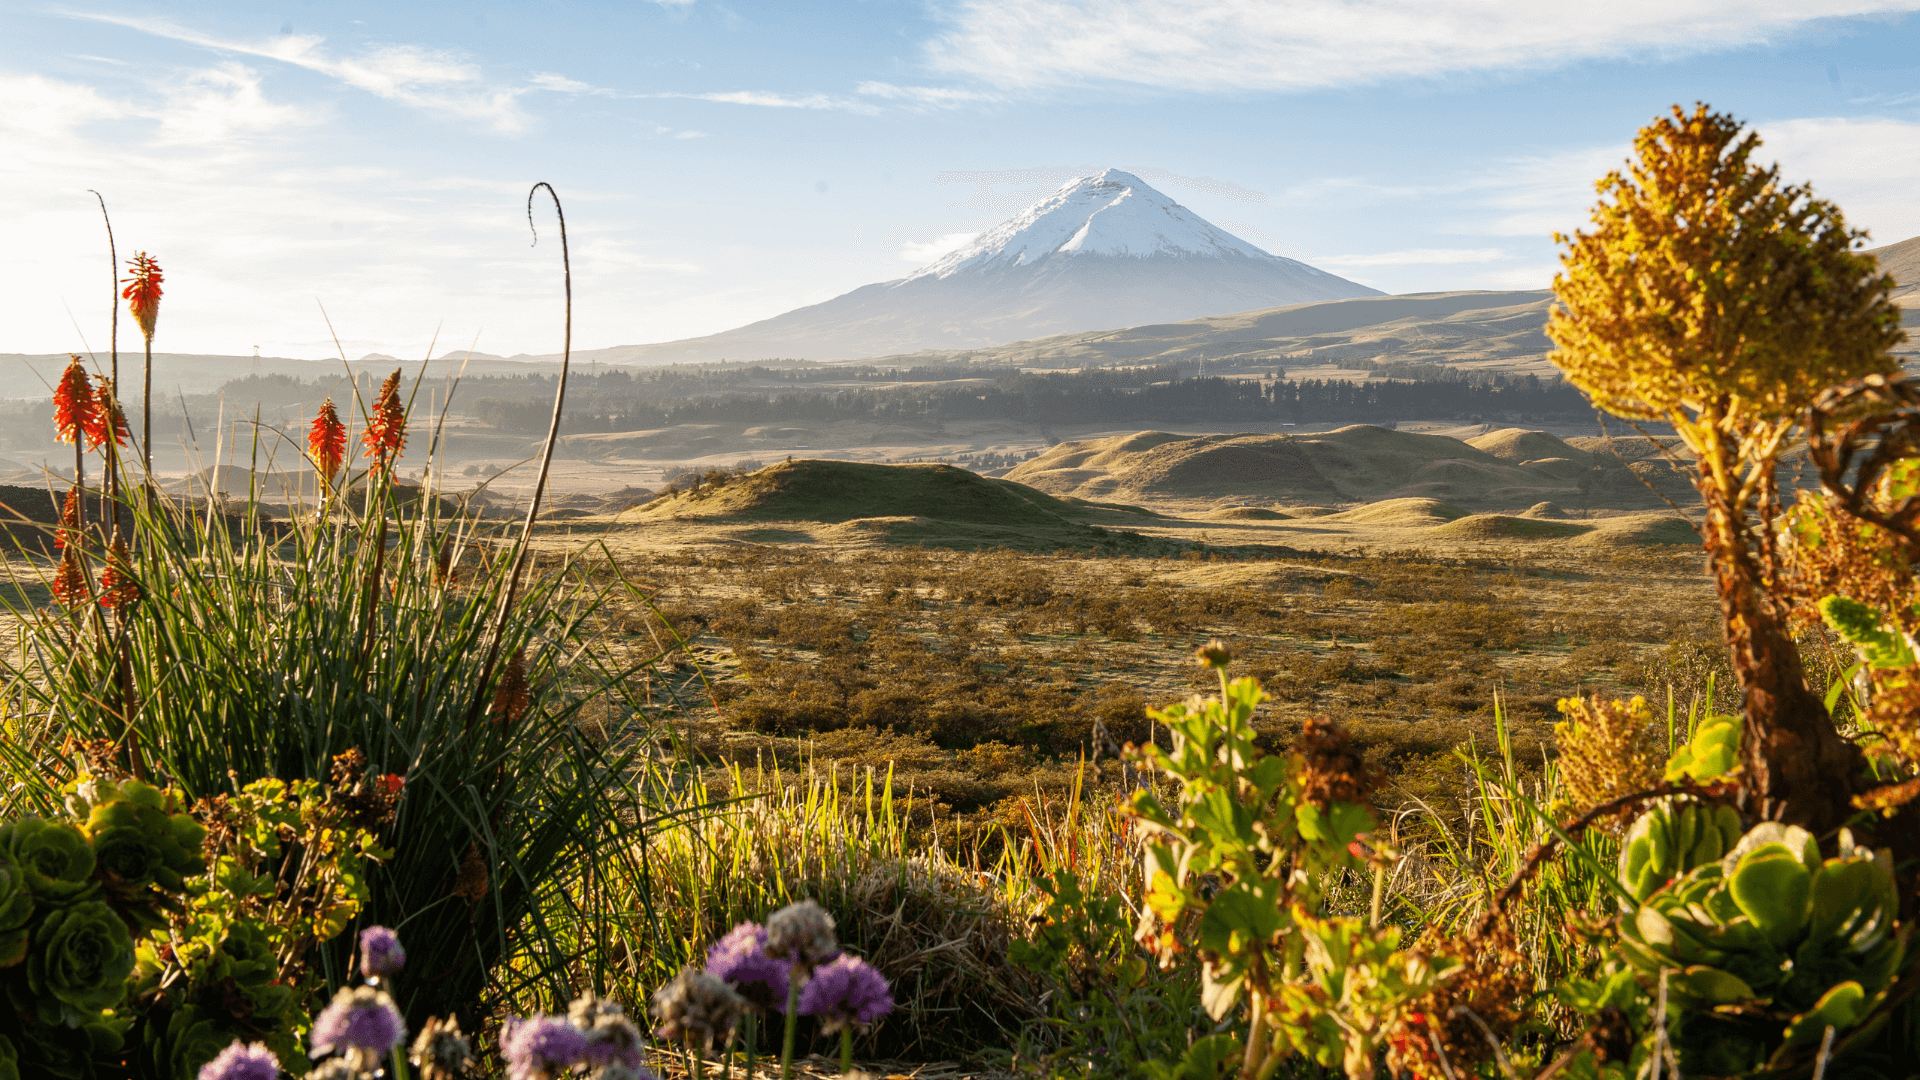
1092, 397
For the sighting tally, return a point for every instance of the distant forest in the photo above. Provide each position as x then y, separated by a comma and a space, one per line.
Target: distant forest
626, 400
1122, 396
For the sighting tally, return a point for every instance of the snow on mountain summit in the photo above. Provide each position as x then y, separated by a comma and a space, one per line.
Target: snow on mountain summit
1114, 214
1102, 252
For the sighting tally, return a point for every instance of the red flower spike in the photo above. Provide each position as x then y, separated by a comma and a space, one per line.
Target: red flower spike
391, 784
69, 580
143, 292
327, 442
105, 406
118, 589
69, 519
387, 426
73, 402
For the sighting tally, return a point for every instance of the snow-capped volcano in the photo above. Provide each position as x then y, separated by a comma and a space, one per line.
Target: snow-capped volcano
1103, 252
1114, 213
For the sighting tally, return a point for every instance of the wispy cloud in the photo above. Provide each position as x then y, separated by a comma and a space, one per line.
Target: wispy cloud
1304, 44
222, 102
921, 252
433, 80
930, 97
1417, 257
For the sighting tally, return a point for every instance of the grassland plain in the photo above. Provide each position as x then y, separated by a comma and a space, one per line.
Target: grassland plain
981, 639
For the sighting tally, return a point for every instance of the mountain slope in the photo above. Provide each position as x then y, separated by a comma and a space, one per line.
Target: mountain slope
1902, 260
1353, 464
1103, 251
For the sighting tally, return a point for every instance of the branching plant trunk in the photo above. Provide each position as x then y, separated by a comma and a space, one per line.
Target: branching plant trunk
1799, 770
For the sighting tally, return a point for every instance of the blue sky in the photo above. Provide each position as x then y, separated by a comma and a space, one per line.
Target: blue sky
725, 162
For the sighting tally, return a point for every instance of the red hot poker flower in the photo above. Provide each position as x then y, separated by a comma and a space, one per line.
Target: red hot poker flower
69, 580
69, 519
107, 419
327, 442
73, 402
118, 589
387, 426
143, 292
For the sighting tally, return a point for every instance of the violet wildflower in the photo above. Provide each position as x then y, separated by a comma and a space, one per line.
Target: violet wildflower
697, 1009
803, 933
360, 1019
741, 959
541, 1048
380, 952
242, 1061
844, 993
611, 1037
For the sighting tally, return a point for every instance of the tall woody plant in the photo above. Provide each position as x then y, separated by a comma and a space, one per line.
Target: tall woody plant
1713, 297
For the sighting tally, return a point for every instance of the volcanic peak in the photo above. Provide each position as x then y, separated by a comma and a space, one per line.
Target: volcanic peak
1114, 214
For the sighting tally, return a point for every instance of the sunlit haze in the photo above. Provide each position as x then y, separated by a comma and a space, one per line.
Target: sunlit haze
723, 163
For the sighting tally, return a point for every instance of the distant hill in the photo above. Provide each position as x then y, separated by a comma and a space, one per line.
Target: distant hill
1359, 463
1902, 260
1507, 328
833, 491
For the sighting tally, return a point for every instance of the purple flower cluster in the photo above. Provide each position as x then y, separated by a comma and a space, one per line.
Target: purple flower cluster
541, 1047
380, 952
741, 959
242, 1061
360, 1018
846, 991
596, 1033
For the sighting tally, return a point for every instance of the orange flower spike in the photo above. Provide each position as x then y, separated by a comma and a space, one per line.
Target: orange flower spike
118, 589
327, 442
143, 292
107, 418
73, 402
69, 580
387, 426
69, 518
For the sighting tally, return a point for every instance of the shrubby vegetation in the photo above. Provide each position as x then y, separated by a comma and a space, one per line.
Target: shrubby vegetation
241, 755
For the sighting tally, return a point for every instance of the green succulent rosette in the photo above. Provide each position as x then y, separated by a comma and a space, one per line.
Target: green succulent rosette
16, 911
59, 1052
55, 856
1764, 949
9, 1060
78, 963
190, 1039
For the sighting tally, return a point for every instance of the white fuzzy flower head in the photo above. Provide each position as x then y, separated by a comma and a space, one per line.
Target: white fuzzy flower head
697, 1008
803, 933
611, 1036
442, 1052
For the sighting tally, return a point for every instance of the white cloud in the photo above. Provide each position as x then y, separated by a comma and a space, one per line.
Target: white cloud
1298, 44
926, 96
690, 135
432, 80
1869, 167
922, 252
768, 99
1417, 257
216, 104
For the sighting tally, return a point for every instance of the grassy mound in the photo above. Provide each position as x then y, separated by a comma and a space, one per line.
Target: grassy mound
1646, 530
1519, 445
837, 491
1506, 527
1245, 513
1352, 464
1401, 512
